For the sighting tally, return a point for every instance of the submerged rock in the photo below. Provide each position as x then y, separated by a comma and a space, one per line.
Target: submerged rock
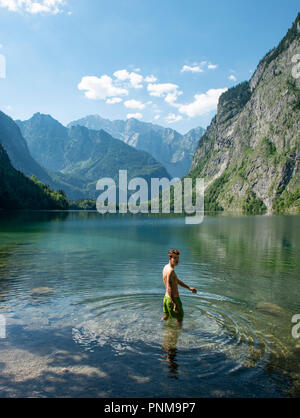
42, 291
271, 308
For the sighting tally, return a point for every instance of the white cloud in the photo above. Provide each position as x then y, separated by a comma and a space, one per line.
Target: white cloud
212, 66
198, 68
173, 96
232, 77
172, 118
195, 69
156, 117
134, 104
100, 88
114, 100
121, 75
150, 79
134, 115
168, 91
135, 79
160, 90
33, 6
202, 104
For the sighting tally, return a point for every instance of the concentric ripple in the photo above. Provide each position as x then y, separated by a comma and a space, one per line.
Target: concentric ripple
213, 325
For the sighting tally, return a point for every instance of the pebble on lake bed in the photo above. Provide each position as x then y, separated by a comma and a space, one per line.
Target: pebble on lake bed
42, 291
271, 308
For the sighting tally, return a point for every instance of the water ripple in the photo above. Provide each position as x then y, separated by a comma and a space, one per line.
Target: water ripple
215, 327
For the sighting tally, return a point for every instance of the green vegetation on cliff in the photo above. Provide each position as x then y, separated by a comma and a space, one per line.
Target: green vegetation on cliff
249, 156
17, 191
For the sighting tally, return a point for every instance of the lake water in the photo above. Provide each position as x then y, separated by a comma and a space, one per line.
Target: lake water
81, 296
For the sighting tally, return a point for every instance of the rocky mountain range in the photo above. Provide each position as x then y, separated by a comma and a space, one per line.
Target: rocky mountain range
77, 157
173, 150
249, 156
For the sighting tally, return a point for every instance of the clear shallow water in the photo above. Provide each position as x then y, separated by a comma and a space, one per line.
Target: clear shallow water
82, 298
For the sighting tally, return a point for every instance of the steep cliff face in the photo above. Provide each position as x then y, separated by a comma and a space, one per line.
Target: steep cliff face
15, 145
250, 154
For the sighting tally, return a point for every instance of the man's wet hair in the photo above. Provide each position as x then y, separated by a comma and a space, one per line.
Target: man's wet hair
173, 253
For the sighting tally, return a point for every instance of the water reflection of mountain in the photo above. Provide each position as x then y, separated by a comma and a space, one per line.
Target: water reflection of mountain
5, 254
15, 247
254, 261
22, 217
251, 258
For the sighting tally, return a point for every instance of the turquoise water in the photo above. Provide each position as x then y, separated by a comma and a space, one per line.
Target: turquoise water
82, 295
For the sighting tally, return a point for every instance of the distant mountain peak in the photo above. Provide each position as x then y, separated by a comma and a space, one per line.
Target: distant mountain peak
169, 147
78, 156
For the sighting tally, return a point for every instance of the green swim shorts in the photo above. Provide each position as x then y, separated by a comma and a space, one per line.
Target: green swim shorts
168, 308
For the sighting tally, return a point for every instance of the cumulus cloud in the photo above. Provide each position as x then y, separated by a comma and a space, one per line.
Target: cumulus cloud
150, 79
173, 96
198, 68
202, 104
160, 90
134, 79
134, 115
194, 69
100, 88
114, 100
212, 66
33, 6
168, 91
134, 104
172, 118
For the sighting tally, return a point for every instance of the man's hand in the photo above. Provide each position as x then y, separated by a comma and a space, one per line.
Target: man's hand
175, 309
192, 289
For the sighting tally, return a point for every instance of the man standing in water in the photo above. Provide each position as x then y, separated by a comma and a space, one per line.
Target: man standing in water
172, 306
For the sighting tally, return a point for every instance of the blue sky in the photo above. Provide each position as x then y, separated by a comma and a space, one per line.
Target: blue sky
162, 61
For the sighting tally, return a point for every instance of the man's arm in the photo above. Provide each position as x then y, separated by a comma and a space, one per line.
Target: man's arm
192, 289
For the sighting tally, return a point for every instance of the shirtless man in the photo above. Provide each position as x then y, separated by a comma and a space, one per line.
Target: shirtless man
172, 304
